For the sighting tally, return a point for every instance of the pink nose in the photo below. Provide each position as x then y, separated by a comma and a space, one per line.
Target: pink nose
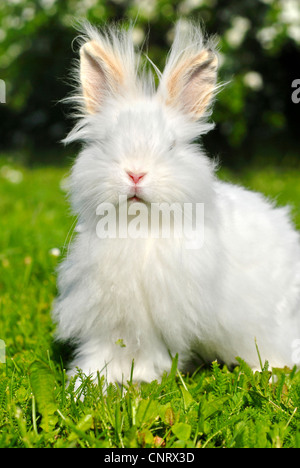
136, 177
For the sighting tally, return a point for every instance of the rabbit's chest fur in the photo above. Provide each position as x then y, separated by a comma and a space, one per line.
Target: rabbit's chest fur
155, 297
149, 287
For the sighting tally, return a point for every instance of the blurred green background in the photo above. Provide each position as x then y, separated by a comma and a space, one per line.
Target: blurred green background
256, 119
256, 139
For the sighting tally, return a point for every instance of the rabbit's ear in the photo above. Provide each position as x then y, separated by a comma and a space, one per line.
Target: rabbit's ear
100, 74
189, 79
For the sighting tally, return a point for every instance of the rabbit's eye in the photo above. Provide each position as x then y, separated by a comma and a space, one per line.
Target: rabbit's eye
172, 145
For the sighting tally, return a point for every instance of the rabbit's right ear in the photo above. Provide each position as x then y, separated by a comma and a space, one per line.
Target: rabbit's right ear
107, 65
100, 74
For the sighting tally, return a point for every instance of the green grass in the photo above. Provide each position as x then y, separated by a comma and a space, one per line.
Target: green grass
38, 408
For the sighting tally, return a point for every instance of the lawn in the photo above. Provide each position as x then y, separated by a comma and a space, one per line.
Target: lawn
38, 408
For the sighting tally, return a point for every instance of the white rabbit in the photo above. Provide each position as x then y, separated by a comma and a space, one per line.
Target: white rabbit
146, 299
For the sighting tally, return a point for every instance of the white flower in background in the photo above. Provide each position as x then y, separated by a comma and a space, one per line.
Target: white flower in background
288, 17
146, 7
55, 252
187, 6
2, 34
290, 12
236, 33
47, 3
294, 32
267, 35
12, 175
138, 35
253, 80
28, 13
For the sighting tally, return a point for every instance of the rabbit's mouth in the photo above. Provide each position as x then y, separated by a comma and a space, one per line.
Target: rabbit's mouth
136, 199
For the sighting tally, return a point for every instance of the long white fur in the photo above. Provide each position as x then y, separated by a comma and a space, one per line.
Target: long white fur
156, 296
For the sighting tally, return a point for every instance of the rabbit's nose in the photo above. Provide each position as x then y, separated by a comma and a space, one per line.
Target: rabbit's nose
136, 178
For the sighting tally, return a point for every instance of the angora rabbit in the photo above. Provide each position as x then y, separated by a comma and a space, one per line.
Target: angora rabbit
125, 298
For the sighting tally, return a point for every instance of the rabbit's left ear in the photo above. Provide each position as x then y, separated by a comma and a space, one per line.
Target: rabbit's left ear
189, 79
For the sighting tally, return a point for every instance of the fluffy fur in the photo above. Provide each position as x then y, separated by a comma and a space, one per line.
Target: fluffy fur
147, 299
